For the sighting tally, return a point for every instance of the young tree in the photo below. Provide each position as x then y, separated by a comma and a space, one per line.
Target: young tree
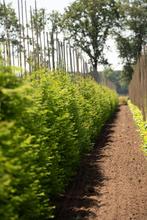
54, 19
9, 27
88, 24
38, 22
8, 20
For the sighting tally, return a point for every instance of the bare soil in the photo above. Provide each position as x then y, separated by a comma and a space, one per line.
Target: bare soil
111, 183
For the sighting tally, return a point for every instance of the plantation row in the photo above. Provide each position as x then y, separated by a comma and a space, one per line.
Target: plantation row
47, 121
142, 125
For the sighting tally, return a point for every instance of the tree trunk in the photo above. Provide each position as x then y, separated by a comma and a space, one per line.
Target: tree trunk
53, 49
95, 72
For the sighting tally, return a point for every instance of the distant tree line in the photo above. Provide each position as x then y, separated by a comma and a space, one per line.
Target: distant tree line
117, 78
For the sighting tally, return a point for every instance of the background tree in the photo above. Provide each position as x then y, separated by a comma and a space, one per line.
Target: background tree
88, 24
117, 77
132, 35
8, 21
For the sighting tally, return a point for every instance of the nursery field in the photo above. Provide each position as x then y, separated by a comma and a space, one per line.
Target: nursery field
67, 151
70, 147
48, 121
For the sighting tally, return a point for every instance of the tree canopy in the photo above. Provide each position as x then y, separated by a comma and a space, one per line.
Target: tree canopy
8, 22
89, 23
132, 35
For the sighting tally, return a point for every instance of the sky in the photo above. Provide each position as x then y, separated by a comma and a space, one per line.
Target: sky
49, 5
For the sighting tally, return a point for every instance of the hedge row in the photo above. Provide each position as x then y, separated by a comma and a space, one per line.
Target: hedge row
47, 122
142, 125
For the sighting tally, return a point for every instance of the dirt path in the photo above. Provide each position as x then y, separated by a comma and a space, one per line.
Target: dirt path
112, 181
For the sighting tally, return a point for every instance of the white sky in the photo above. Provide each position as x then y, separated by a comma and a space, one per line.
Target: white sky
59, 5
49, 5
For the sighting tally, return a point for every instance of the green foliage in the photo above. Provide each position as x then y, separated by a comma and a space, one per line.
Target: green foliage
46, 124
137, 21
142, 125
55, 19
132, 35
39, 20
8, 16
8, 22
117, 77
20, 194
89, 23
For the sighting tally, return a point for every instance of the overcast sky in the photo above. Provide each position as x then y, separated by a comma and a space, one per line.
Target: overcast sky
59, 5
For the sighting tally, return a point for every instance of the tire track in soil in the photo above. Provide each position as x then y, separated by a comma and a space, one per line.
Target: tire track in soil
111, 183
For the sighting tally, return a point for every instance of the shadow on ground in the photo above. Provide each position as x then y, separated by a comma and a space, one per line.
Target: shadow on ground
84, 191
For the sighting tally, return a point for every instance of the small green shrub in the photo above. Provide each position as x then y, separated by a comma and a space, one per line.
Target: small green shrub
47, 121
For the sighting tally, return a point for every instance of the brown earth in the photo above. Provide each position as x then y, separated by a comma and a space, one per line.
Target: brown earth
111, 183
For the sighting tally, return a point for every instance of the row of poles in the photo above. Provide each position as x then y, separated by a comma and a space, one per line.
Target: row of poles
138, 85
33, 47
